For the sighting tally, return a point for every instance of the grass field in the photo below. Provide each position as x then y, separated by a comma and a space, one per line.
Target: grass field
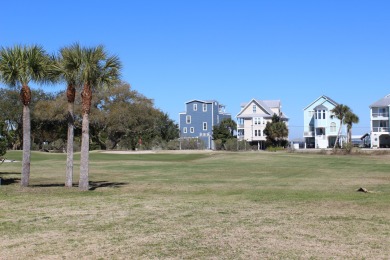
210, 205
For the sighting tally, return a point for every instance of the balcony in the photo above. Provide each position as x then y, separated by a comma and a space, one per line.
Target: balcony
380, 115
308, 134
380, 129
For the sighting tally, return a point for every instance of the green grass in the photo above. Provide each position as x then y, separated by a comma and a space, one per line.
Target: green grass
208, 205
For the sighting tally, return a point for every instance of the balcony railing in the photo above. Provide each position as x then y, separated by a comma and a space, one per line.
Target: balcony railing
375, 115
308, 133
380, 129
321, 137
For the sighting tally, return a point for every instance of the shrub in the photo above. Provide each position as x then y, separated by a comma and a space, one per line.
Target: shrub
231, 145
191, 144
218, 144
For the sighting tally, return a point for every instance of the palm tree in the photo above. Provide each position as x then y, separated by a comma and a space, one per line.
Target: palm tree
19, 66
340, 111
97, 70
67, 66
349, 119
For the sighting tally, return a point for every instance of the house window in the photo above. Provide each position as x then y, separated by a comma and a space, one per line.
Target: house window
192, 130
185, 130
204, 126
254, 108
257, 120
255, 132
195, 106
188, 119
204, 107
333, 127
383, 123
323, 114
319, 114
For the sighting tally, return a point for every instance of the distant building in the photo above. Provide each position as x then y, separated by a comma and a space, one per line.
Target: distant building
362, 141
380, 137
198, 120
253, 118
321, 125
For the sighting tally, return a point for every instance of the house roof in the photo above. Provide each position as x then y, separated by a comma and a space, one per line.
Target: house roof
324, 97
321, 107
201, 101
265, 104
272, 103
383, 102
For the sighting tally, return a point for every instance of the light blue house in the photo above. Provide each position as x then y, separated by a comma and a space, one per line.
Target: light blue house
321, 126
198, 120
380, 121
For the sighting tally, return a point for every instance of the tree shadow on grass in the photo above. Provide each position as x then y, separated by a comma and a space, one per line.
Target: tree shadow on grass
102, 184
48, 185
8, 181
92, 184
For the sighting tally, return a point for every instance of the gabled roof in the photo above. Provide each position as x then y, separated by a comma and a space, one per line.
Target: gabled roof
383, 102
201, 101
272, 103
321, 107
326, 99
262, 103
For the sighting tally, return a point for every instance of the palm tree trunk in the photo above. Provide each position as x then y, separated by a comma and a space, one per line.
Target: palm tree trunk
84, 159
86, 95
338, 134
70, 93
26, 146
349, 134
69, 148
25, 96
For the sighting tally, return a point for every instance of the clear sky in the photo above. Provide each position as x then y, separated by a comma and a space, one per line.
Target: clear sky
227, 50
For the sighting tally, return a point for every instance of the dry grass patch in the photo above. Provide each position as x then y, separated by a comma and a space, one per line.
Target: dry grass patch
213, 206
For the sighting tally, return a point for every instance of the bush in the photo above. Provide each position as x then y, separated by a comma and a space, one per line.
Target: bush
173, 145
191, 144
348, 147
3, 146
231, 145
218, 144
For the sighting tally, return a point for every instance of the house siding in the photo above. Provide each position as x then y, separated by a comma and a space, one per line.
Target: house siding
320, 132
211, 117
251, 124
380, 123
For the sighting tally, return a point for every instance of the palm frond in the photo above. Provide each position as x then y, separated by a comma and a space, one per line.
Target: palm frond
21, 64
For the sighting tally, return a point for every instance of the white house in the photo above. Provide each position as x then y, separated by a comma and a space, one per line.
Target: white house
320, 125
380, 137
253, 118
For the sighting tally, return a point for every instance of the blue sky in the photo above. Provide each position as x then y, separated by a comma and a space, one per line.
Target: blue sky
228, 50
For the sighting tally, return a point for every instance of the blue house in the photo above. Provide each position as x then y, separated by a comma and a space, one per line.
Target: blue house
198, 121
321, 125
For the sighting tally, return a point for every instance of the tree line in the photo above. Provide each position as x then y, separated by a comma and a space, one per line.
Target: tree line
107, 113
